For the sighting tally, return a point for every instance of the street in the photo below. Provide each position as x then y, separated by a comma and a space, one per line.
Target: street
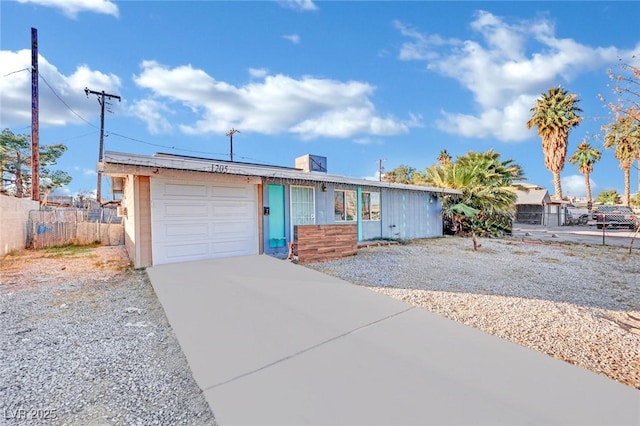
578, 234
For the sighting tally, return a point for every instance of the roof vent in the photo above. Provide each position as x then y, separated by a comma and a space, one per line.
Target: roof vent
312, 163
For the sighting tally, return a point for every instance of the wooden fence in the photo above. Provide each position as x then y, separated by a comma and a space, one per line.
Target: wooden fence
47, 228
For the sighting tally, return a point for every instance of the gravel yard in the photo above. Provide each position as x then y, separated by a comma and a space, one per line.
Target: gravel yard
576, 302
85, 341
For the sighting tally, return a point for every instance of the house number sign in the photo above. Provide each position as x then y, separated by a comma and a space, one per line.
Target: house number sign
219, 168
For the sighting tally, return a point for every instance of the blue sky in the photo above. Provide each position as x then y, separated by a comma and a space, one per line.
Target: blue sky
353, 81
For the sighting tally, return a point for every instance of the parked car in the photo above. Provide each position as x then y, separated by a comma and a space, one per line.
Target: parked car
621, 216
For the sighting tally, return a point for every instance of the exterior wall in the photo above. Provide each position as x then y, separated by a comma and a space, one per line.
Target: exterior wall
317, 243
14, 214
128, 221
371, 229
555, 215
143, 199
137, 221
408, 215
405, 214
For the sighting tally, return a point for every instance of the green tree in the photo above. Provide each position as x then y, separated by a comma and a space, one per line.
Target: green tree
487, 199
584, 158
609, 196
624, 137
15, 164
554, 114
401, 174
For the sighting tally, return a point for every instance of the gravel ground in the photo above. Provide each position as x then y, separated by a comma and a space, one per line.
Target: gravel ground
86, 342
578, 303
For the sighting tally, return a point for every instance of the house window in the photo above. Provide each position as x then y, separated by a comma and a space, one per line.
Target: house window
370, 206
345, 205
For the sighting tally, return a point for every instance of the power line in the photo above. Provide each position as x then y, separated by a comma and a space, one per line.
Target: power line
15, 72
65, 104
78, 137
164, 146
230, 133
103, 97
174, 148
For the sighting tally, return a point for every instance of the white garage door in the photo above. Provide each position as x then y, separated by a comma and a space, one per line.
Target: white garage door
195, 221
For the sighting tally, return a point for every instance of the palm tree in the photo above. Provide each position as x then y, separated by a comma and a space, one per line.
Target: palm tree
624, 136
554, 114
487, 199
444, 158
584, 158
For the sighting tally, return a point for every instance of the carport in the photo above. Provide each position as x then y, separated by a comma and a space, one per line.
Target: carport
271, 342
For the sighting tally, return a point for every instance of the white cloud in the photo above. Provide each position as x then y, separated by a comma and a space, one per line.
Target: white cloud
574, 185
301, 5
376, 176
367, 141
151, 112
15, 91
497, 68
310, 107
258, 72
79, 170
420, 48
71, 8
293, 38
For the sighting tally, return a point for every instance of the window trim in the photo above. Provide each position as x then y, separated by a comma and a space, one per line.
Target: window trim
344, 204
370, 219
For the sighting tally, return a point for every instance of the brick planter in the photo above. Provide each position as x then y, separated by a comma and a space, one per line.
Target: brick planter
318, 243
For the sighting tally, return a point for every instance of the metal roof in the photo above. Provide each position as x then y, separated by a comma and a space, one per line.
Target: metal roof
198, 164
537, 197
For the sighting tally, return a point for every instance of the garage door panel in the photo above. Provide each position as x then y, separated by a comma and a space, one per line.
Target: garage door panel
182, 252
183, 210
229, 248
196, 222
232, 228
184, 190
186, 230
232, 210
232, 192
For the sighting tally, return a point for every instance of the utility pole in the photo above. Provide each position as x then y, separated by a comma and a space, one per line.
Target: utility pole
101, 100
380, 169
35, 122
230, 134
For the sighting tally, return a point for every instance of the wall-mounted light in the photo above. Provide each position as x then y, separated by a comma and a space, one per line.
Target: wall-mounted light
324, 187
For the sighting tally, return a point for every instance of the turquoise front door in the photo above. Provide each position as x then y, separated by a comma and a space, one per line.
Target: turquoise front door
276, 222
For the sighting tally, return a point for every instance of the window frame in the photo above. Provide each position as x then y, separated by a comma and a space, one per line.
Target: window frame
345, 209
370, 217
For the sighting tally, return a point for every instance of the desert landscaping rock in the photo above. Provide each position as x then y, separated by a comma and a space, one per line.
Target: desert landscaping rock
575, 302
89, 345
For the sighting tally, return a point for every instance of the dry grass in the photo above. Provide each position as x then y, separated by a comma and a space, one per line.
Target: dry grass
26, 269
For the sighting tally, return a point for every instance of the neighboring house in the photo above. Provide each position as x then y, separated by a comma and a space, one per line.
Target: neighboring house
535, 206
179, 208
530, 205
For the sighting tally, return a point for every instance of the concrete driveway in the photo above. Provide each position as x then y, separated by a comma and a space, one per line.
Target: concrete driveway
270, 342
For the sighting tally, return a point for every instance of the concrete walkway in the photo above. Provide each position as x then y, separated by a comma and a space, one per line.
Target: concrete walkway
273, 343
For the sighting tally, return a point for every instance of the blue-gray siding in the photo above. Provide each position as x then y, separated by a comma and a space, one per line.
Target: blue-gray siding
405, 214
